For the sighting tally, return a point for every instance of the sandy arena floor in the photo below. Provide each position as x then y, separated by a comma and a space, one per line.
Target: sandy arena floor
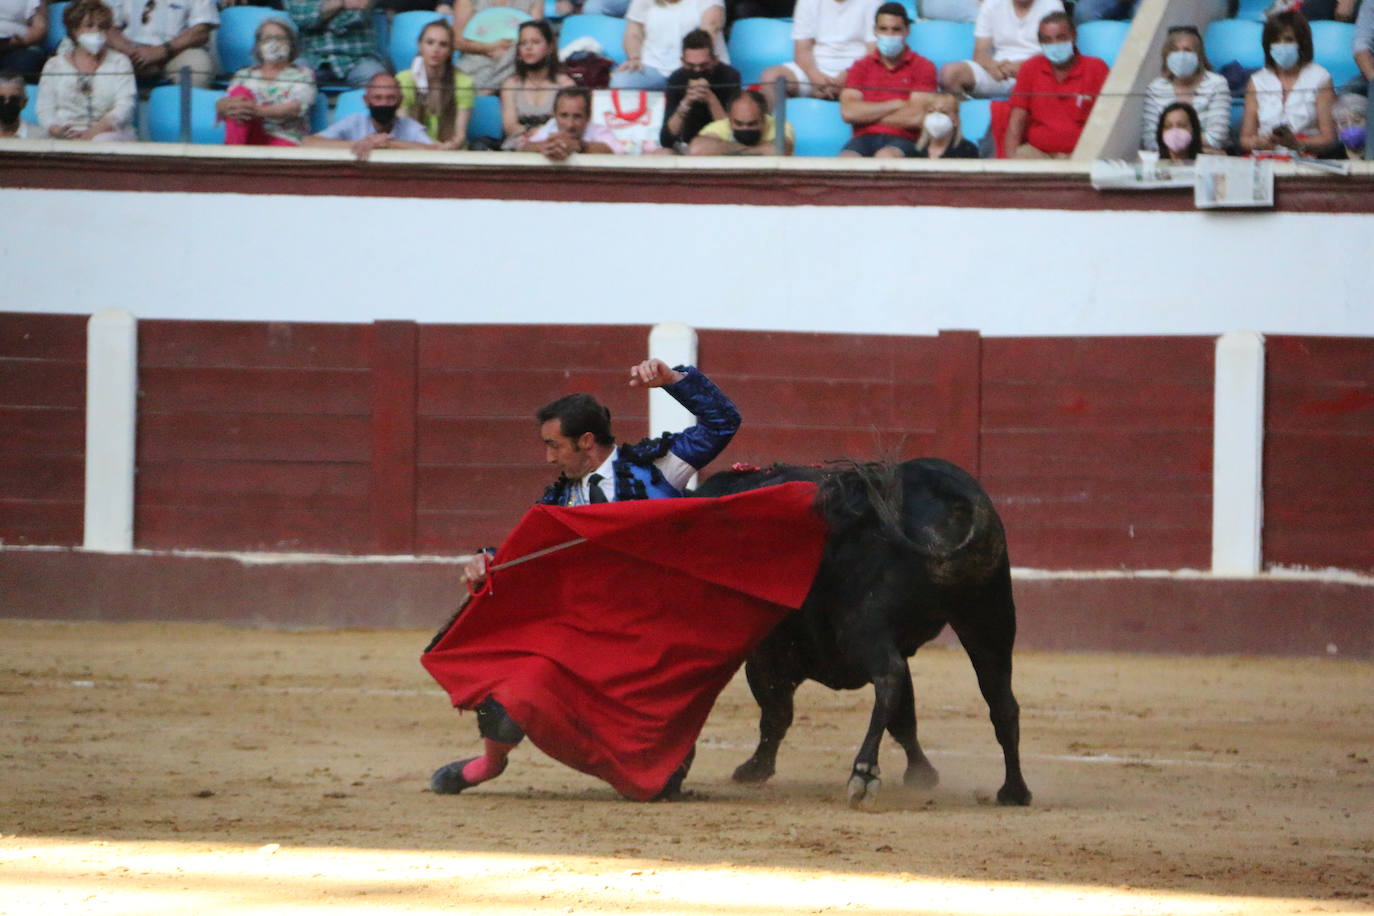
198, 769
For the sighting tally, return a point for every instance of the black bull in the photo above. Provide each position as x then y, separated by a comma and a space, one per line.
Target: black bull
912, 547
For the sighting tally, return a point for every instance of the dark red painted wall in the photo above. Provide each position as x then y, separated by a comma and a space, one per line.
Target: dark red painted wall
42, 428
1098, 450
1319, 452
400, 438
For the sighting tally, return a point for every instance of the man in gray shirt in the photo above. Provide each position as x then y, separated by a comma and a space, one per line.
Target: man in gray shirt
380, 127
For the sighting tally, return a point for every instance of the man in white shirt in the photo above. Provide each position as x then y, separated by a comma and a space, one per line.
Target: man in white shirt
827, 36
161, 37
570, 131
380, 127
1005, 34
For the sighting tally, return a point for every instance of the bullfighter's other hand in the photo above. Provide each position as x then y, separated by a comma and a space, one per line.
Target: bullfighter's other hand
654, 373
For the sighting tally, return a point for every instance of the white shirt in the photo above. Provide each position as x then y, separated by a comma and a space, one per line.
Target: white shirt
1014, 38
665, 25
1211, 101
674, 470
1299, 110
841, 29
62, 101
15, 15
166, 20
595, 133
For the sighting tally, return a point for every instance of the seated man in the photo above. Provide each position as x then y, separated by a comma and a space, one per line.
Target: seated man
828, 36
1005, 35
748, 130
160, 37
13, 98
1055, 92
379, 128
337, 40
886, 94
576, 432
697, 92
570, 129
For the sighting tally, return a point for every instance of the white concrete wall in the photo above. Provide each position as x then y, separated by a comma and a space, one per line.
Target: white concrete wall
901, 270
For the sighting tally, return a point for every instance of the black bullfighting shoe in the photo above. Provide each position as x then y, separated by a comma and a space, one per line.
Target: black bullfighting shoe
449, 779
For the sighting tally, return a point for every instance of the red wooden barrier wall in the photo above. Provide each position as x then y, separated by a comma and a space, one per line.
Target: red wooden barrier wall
1319, 452
1098, 450
42, 428
401, 438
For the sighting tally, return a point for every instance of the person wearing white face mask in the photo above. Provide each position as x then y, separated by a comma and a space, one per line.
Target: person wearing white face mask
87, 91
269, 104
1288, 103
1186, 76
940, 134
1055, 92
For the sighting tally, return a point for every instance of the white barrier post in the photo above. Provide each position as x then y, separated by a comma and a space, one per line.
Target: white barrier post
111, 427
676, 344
1238, 454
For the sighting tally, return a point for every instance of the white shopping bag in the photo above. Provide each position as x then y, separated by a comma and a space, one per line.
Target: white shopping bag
633, 115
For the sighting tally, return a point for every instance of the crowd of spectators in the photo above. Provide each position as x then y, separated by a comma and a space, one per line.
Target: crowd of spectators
1025, 57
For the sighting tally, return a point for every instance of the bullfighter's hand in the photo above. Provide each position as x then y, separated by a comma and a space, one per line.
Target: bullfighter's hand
654, 373
475, 569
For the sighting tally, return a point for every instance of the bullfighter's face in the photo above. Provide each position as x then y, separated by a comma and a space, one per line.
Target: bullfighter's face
571, 456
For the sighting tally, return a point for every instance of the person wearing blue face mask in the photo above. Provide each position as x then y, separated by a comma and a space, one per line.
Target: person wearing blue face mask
1055, 92
1187, 77
886, 94
1288, 103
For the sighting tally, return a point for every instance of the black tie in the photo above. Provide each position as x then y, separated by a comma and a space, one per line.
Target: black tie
594, 493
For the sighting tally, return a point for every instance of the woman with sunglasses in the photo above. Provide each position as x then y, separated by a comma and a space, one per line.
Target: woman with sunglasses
1186, 76
87, 89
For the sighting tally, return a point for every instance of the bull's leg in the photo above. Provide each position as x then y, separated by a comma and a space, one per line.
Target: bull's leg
890, 681
990, 653
920, 773
774, 694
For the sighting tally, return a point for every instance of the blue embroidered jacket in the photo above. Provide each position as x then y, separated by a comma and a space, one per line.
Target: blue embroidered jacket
637, 476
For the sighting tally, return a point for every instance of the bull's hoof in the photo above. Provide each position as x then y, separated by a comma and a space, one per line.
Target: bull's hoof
1013, 795
921, 776
752, 770
863, 787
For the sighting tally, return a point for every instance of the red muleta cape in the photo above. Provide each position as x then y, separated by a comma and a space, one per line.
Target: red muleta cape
610, 653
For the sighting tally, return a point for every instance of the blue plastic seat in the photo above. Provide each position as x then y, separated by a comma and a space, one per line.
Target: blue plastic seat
608, 30
57, 29
1236, 40
975, 117
163, 114
486, 118
1102, 38
1331, 47
234, 37
941, 41
347, 103
30, 112
818, 127
757, 44
405, 36
319, 113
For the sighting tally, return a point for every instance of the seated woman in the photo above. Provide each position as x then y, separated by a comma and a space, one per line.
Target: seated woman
434, 92
87, 92
527, 97
1178, 135
654, 30
1186, 76
23, 28
488, 62
1288, 102
269, 104
940, 134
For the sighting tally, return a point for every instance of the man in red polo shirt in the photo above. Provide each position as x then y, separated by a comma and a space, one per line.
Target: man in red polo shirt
886, 93
1054, 94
